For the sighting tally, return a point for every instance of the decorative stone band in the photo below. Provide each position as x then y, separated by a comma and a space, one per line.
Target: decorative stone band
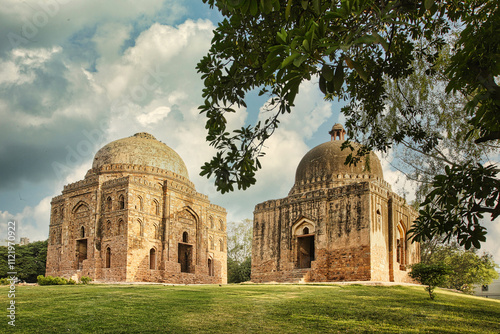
129, 168
340, 180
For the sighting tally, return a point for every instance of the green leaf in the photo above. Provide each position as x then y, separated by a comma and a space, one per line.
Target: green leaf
282, 36
357, 66
327, 72
317, 6
304, 4
338, 79
300, 60
330, 86
322, 84
266, 6
246, 6
428, 4
305, 45
289, 59
379, 39
276, 5
333, 14
366, 39
288, 9
254, 7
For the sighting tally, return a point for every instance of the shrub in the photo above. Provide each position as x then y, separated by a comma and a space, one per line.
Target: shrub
85, 280
431, 275
42, 280
49, 280
4, 281
59, 281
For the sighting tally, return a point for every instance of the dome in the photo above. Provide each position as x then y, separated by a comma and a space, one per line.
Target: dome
326, 163
337, 126
141, 149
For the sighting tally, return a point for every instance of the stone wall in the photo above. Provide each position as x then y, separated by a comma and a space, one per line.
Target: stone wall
379, 233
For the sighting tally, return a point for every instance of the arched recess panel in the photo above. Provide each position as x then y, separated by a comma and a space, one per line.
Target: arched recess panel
188, 251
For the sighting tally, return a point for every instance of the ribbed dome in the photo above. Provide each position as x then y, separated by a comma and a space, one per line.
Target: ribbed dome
326, 163
141, 149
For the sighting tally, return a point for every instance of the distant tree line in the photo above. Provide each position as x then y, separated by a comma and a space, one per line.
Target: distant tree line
30, 261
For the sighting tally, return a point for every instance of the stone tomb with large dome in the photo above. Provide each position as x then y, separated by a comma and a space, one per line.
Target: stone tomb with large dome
338, 223
137, 217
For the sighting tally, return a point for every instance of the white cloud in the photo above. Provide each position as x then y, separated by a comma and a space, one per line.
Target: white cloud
162, 61
9, 74
22, 64
310, 111
68, 86
32, 222
154, 116
109, 39
43, 23
491, 245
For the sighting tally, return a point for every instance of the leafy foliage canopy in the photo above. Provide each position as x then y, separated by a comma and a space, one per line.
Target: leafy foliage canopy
353, 48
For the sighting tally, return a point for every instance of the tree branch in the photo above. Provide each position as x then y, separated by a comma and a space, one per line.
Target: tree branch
495, 135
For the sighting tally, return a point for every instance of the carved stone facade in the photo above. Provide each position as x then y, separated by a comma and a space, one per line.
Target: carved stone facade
338, 223
137, 217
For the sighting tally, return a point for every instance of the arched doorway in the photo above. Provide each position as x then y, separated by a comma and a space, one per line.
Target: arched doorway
108, 257
210, 267
152, 258
305, 245
401, 246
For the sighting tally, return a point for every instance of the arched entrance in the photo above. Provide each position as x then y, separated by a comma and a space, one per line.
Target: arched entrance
304, 232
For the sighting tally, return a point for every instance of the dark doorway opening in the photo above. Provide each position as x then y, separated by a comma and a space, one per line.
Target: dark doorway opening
108, 257
210, 267
185, 254
305, 251
81, 251
152, 258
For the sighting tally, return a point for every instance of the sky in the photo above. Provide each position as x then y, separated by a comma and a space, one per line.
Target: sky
76, 75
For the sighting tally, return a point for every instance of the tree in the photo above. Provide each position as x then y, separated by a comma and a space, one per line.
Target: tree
441, 115
431, 275
30, 261
353, 47
238, 272
458, 201
467, 268
239, 251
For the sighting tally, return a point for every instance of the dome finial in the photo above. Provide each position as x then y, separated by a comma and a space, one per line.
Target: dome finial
337, 132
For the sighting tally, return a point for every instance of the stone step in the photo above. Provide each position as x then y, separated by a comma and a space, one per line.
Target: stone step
297, 275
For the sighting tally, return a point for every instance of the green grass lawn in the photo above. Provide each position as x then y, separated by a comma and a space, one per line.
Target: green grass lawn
246, 309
